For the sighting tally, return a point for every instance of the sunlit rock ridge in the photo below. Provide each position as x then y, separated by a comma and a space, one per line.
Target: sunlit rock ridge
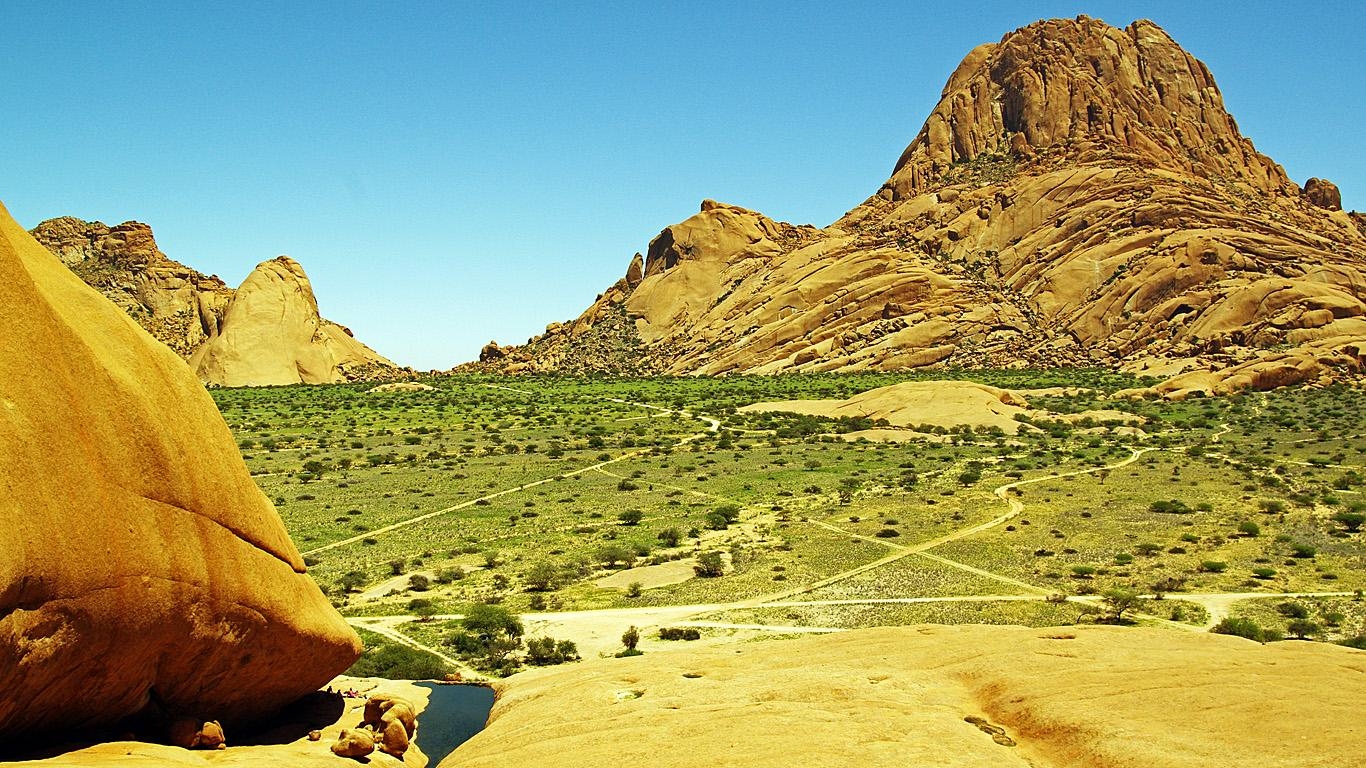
268, 331
1079, 196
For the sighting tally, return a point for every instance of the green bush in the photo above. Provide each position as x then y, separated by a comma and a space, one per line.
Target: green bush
382, 658
709, 564
1247, 628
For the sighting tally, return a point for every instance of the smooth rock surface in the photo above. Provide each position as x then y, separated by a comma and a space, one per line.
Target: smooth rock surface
1101, 697
272, 334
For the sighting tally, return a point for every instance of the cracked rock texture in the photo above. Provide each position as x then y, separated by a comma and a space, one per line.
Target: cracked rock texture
139, 559
1078, 197
268, 331
970, 696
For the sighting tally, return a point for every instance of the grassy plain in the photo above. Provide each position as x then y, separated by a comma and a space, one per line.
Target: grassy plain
526, 491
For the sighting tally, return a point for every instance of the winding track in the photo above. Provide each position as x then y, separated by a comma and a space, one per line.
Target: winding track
712, 426
597, 621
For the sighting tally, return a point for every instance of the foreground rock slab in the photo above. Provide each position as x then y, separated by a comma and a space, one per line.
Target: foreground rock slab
1101, 697
142, 572
285, 744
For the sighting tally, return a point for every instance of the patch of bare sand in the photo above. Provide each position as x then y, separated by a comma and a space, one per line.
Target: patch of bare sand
402, 386
945, 404
650, 576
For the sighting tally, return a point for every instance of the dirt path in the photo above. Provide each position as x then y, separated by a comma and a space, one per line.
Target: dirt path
712, 426
385, 626
1218, 604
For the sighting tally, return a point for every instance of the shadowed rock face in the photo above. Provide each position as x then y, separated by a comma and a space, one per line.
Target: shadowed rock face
970, 696
1079, 196
139, 561
229, 336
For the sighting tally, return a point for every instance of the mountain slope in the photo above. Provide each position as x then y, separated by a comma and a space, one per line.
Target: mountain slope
1079, 196
223, 333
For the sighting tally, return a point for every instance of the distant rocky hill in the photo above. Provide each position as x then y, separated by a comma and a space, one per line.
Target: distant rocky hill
268, 331
1079, 196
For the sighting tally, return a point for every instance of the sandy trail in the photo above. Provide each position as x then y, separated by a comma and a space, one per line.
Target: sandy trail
712, 426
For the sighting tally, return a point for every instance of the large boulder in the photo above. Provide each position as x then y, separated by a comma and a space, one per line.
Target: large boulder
1323, 193
141, 569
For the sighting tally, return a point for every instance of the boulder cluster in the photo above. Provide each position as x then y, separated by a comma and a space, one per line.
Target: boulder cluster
389, 725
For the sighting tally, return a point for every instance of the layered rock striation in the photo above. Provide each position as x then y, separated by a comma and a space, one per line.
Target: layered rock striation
229, 336
142, 572
1079, 196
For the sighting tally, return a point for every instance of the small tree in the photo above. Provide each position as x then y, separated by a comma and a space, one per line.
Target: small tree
419, 583
670, 537
631, 517
1118, 601
709, 564
1352, 521
630, 638
352, 581
634, 589
717, 521
542, 577
397, 566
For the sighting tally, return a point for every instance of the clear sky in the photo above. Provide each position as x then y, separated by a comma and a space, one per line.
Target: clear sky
450, 173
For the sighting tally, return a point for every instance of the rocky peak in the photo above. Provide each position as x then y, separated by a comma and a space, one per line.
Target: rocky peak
75, 241
272, 333
1081, 88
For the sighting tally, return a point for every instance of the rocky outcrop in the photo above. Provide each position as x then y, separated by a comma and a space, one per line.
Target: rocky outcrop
1323, 193
182, 308
272, 334
142, 572
1078, 197
188, 311
1102, 697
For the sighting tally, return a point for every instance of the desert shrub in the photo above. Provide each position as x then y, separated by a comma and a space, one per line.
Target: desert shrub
1302, 629
679, 633
1243, 627
544, 651
1293, 610
709, 564
887, 533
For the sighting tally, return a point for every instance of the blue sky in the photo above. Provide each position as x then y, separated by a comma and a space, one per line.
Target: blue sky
451, 173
